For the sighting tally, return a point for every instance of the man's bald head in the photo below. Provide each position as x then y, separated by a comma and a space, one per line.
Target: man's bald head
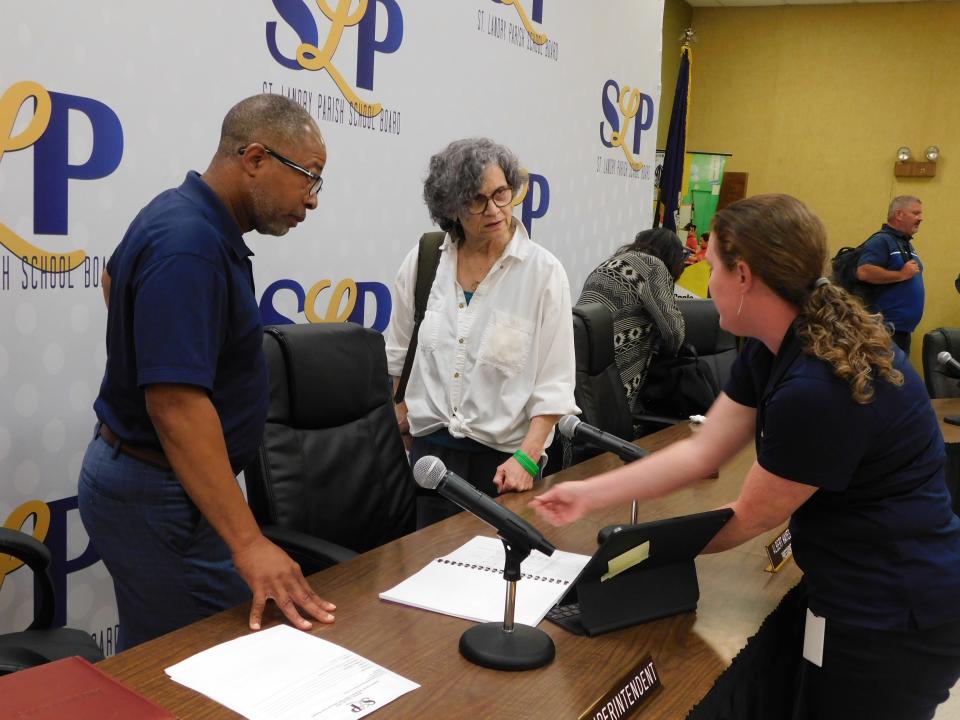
273, 120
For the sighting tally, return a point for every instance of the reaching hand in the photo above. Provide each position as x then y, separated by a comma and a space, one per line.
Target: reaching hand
511, 477
562, 504
273, 575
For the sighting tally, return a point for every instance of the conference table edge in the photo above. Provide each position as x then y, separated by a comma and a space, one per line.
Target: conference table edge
690, 650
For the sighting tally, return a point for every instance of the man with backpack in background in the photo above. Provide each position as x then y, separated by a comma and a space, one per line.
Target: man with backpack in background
889, 263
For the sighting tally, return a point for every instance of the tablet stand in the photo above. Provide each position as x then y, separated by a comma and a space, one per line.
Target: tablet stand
506, 646
609, 530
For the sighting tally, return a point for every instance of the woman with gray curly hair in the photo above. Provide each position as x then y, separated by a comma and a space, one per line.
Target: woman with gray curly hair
494, 365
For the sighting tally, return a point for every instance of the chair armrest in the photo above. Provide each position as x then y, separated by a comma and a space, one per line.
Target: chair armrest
14, 658
645, 424
313, 553
37, 557
659, 419
25, 547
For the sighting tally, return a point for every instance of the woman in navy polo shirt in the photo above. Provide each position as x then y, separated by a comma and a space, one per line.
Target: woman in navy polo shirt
848, 449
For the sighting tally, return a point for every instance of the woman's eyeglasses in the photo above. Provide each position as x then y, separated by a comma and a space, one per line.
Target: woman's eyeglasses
501, 197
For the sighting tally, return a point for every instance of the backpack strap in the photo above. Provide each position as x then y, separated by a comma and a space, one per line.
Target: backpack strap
892, 242
428, 258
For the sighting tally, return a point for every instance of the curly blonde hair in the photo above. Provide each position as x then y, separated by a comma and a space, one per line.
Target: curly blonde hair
785, 245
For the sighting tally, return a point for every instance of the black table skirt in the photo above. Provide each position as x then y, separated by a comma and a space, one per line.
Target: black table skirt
762, 682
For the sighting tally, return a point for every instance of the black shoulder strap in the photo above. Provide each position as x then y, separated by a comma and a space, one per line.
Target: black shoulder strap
428, 258
890, 240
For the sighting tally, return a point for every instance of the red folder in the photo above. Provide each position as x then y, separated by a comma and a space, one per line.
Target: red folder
72, 688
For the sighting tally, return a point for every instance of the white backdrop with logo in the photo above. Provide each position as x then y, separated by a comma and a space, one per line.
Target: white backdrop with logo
103, 105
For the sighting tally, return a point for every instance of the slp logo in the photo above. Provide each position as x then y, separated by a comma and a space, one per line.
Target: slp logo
345, 303
538, 37
624, 106
537, 189
49, 527
310, 56
47, 131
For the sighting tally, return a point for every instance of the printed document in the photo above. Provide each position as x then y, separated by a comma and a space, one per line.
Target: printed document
287, 674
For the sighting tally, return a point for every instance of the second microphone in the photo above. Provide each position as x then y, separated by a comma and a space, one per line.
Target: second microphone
570, 426
431, 474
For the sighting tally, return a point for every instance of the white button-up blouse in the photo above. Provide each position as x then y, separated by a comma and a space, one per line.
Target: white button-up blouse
485, 369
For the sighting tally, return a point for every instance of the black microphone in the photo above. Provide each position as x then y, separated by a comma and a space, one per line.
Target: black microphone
570, 426
949, 364
432, 474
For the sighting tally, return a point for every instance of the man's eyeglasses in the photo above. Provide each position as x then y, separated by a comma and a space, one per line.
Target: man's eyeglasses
315, 186
501, 197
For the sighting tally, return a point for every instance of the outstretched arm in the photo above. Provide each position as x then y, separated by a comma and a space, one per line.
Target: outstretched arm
729, 427
766, 501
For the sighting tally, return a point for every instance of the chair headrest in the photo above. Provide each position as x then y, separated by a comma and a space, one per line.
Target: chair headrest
940, 381
703, 330
945, 338
334, 372
594, 322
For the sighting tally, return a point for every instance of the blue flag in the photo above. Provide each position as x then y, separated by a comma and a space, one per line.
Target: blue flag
671, 178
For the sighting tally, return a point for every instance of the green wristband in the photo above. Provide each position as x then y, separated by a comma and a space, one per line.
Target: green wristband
526, 463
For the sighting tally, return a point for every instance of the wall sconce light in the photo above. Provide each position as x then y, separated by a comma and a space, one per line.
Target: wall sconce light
907, 167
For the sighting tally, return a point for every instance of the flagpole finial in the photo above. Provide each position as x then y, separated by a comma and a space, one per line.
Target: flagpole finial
688, 37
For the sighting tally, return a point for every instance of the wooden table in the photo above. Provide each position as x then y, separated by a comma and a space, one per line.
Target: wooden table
943, 407
689, 650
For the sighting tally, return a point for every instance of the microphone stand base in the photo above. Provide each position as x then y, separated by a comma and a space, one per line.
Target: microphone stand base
606, 532
526, 648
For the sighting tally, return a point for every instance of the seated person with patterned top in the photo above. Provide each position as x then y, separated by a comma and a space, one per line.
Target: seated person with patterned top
636, 283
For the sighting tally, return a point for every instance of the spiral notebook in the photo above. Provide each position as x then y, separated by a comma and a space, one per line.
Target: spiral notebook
468, 583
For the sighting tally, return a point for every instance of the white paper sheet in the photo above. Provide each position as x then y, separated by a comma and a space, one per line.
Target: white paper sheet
468, 583
287, 674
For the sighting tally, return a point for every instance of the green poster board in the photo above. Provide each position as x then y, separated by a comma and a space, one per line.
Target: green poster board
703, 187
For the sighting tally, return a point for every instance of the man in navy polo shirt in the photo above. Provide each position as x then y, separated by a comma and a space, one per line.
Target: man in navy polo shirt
184, 397
890, 262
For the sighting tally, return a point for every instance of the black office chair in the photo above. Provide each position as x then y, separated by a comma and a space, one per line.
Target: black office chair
598, 392
940, 384
677, 387
331, 478
39, 643
714, 345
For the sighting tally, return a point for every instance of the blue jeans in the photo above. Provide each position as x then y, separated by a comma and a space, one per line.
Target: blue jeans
169, 567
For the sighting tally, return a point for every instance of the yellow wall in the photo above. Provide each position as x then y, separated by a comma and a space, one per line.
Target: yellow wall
677, 17
815, 100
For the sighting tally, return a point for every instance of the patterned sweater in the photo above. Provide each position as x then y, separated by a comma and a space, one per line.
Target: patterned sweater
638, 290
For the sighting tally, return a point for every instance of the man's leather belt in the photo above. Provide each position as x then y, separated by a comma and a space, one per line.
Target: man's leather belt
145, 455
